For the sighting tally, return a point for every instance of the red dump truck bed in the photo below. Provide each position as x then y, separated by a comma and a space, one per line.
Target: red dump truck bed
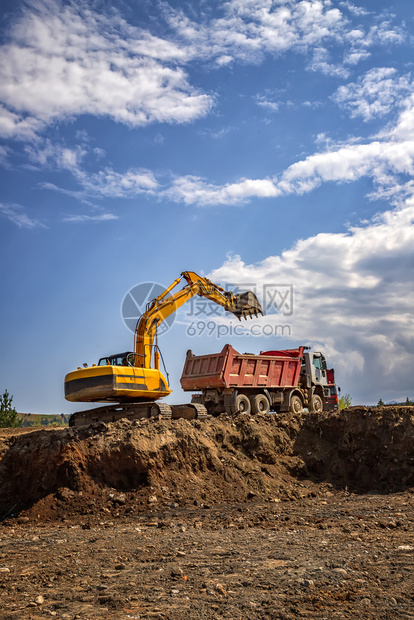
230, 369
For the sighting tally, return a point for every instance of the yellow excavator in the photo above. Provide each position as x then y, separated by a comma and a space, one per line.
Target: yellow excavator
133, 379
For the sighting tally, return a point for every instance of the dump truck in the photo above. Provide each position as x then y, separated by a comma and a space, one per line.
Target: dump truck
278, 380
131, 383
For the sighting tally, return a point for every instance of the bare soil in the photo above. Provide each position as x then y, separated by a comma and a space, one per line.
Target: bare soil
232, 517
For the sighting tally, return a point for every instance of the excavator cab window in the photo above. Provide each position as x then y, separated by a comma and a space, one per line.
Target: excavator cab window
120, 359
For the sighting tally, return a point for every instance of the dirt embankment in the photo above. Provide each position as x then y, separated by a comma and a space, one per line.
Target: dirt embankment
128, 467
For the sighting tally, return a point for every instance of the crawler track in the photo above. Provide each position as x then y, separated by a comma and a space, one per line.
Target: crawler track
137, 411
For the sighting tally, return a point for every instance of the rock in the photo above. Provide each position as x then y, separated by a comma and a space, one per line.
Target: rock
152, 499
340, 571
306, 583
365, 602
120, 566
177, 572
22, 520
65, 493
118, 498
181, 554
220, 588
4, 569
40, 599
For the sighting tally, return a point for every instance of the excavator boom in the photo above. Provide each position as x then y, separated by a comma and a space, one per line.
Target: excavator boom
241, 305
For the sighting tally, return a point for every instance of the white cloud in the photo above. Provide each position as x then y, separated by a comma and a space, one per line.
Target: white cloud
354, 57
375, 94
4, 154
194, 190
385, 34
385, 160
102, 217
105, 183
250, 29
64, 60
355, 10
381, 161
320, 62
18, 126
120, 185
349, 163
16, 214
267, 101
353, 298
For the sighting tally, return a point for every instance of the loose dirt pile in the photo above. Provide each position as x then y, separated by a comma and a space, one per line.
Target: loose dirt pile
127, 467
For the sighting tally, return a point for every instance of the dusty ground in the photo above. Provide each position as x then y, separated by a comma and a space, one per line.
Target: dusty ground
235, 517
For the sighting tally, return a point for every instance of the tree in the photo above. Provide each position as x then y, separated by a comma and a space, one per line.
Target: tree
8, 414
345, 401
380, 403
408, 401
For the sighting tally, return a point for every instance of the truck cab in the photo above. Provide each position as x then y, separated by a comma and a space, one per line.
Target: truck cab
314, 370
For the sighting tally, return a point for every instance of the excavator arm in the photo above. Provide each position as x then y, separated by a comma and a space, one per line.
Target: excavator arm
241, 305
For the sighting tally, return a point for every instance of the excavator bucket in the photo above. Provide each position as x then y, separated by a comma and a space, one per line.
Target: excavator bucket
247, 304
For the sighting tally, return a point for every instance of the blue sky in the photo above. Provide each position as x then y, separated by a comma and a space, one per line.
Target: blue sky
265, 143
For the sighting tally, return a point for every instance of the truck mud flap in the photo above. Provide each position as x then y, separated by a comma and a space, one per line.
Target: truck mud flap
229, 401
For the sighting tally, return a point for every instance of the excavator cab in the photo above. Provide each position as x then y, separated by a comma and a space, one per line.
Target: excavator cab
118, 359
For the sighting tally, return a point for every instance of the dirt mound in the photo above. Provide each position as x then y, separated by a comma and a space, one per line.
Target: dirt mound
127, 467
362, 448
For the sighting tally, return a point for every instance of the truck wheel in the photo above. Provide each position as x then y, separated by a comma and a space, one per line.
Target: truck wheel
295, 405
259, 403
242, 404
316, 404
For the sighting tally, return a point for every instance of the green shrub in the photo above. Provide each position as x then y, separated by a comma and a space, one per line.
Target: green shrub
8, 414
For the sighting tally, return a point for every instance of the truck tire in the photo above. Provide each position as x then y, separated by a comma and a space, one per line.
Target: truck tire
316, 404
259, 403
242, 404
295, 405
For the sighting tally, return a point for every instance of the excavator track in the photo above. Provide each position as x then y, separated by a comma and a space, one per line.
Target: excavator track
189, 411
137, 411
